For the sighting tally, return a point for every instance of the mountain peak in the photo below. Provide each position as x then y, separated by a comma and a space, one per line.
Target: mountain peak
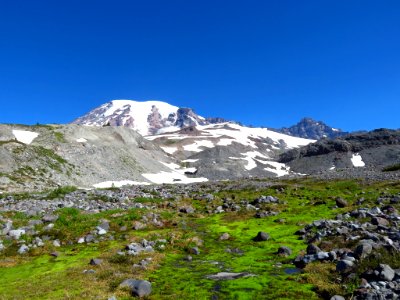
309, 128
147, 117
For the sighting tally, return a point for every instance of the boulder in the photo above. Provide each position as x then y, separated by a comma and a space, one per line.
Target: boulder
284, 251
261, 236
340, 202
138, 288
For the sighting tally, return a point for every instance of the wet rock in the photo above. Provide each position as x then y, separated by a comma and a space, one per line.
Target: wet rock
261, 236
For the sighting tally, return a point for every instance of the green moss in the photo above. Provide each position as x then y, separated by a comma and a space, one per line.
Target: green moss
60, 192
59, 136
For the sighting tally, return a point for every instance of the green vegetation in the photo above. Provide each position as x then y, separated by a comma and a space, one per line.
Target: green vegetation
60, 192
59, 136
40, 276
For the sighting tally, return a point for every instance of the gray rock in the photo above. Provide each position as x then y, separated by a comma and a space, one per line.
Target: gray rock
340, 202
385, 272
380, 221
138, 288
89, 238
261, 236
95, 261
284, 251
312, 249
344, 266
225, 236
194, 250
16, 233
186, 209
337, 297
363, 250
49, 218
23, 249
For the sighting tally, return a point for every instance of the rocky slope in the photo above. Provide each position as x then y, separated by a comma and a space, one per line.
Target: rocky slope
374, 150
311, 129
42, 157
229, 150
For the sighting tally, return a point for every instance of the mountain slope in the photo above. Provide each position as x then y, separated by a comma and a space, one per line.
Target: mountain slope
42, 157
373, 150
148, 117
311, 129
229, 150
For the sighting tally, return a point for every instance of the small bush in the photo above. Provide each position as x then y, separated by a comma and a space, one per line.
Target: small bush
61, 192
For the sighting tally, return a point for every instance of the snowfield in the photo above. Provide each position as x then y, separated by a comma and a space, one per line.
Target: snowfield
25, 136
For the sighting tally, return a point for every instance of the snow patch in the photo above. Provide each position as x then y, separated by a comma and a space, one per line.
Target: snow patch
81, 140
172, 177
195, 147
169, 150
25, 136
357, 161
189, 160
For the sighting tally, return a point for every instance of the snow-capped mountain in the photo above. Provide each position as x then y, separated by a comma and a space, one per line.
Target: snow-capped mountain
211, 148
311, 129
148, 117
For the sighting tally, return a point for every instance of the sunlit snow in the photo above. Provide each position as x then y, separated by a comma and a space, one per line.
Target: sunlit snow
25, 136
357, 161
81, 140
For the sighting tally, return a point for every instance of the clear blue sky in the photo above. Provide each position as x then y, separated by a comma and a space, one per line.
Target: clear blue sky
259, 62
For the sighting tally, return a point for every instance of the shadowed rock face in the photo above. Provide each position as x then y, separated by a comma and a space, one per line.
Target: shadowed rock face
311, 129
378, 149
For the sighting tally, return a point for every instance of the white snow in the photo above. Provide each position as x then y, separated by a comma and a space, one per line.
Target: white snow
335, 129
225, 133
357, 161
279, 168
176, 175
172, 177
81, 140
170, 150
25, 136
195, 147
332, 168
108, 184
189, 160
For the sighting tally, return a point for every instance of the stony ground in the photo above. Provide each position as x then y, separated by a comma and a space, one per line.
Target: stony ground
248, 239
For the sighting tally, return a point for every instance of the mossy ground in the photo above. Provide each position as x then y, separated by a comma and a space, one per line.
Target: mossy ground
41, 276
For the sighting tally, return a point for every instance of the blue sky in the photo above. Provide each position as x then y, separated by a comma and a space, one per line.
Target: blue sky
259, 62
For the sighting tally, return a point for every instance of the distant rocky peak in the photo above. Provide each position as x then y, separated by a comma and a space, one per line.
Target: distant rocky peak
311, 129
